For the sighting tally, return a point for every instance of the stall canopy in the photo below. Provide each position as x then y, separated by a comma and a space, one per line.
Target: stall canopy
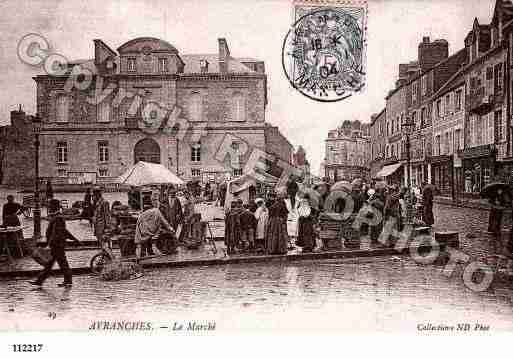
387, 170
146, 174
239, 187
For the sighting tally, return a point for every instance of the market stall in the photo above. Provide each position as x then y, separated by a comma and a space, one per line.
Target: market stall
145, 178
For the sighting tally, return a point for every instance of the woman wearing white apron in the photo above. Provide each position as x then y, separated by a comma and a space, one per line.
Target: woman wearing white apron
292, 202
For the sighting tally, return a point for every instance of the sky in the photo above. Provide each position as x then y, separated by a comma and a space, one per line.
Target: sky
253, 28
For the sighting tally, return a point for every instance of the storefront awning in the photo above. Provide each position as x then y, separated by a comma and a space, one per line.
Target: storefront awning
388, 170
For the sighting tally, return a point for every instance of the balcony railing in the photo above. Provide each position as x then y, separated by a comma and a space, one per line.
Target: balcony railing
479, 101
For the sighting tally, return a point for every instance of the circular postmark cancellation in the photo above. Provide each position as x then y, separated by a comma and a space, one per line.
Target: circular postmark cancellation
323, 54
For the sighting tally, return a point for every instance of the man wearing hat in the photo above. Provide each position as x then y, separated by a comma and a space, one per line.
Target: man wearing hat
56, 235
101, 218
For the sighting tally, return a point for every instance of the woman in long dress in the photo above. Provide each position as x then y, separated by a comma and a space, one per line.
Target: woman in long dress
262, 217
307, 219
277, 237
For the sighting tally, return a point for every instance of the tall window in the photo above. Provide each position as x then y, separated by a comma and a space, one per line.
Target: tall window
414, 91
497, 78
438, 108
163, 67
195, 106
62, 108
131, 64
103, 151
239, 108
437, 145
447, 103
458, 100
423, 117
62, 152
424, 85
414, 118
446, 143
104, 111
457, 140
196, 152
498, 124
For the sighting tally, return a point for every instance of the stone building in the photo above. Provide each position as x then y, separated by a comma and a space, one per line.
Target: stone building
17, 151
347, 152
378, 142
198, 114
420, 105
487, 120
301, 162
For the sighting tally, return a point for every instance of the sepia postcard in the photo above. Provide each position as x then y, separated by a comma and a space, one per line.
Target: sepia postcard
173, 167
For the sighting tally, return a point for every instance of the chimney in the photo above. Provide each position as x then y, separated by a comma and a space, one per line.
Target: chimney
17, 117
431, 53
224, 55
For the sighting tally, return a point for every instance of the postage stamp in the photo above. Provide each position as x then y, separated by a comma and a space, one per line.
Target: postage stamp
324, 52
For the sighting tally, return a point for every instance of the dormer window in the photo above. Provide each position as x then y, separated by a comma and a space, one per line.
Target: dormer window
203, 66
163, 65
131, 64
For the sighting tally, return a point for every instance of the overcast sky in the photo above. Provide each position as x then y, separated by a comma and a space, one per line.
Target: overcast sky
252, 28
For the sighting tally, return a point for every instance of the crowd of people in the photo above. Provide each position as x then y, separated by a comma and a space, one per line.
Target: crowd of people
272, 224
289, 215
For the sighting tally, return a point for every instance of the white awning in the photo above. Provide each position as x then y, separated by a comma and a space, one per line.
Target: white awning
388, 170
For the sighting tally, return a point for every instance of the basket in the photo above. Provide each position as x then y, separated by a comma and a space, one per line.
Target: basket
42, 256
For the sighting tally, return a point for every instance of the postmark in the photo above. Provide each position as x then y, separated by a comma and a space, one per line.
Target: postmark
324, 52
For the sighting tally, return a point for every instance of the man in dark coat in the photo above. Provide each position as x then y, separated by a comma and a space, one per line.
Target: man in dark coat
233, 226
10, 212
248, 225
427, 204
56, 235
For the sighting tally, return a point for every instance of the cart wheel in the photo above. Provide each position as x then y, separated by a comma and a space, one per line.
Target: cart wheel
27, 212
98, 262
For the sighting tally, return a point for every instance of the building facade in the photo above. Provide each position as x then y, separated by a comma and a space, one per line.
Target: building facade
486, 143
347, 150
461, 108
17, 151
301, 163
448, 139
377, 142
199, 115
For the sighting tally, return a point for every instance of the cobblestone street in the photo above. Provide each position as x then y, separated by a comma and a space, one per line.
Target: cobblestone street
358, 294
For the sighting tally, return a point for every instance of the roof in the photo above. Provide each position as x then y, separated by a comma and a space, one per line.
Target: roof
374, 118
139, 43
192, 64
456, 80
416, 77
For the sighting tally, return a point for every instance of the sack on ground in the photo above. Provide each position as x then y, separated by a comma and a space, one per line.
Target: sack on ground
42, 256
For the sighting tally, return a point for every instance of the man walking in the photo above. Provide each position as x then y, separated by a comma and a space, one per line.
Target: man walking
56, 235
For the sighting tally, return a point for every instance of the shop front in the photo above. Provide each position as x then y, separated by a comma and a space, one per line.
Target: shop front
478, 168
441, 173
391, 174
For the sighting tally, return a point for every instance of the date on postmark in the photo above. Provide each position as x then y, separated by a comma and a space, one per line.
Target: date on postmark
324, 52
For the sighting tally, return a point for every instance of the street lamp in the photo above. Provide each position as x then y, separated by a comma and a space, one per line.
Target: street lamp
36, 122
408, 127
